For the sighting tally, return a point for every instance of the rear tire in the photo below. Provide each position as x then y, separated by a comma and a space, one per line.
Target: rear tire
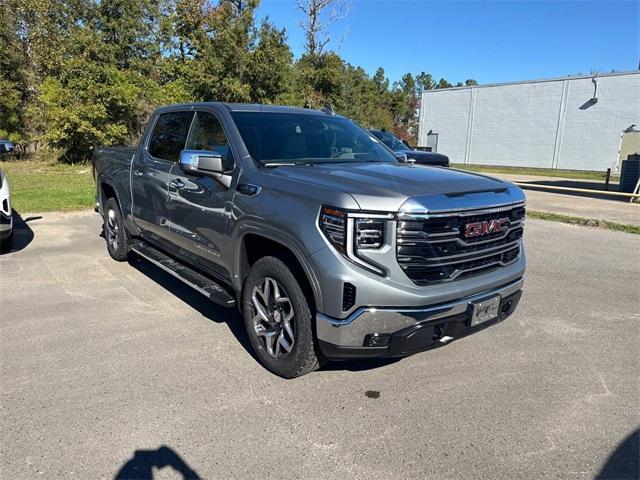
114, 231
279, 321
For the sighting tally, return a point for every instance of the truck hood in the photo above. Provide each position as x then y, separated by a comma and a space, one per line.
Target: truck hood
399, 186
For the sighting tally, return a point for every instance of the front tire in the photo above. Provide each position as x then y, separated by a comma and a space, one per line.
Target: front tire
114, 231
278, 320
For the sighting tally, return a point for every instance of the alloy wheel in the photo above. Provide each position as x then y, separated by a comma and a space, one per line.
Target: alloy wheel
273, 319
112, 230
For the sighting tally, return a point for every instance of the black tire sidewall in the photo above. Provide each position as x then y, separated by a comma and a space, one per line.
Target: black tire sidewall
121, 253
304, 356
6, 245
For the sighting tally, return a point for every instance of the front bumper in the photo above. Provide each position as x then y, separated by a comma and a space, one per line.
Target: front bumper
408, 330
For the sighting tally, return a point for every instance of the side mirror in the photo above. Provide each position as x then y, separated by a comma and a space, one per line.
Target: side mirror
403, 158
406, 143
204, 162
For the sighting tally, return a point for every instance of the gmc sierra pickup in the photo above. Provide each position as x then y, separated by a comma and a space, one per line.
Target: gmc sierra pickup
330, 247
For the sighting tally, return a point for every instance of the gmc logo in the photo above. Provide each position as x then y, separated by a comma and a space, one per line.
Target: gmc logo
477, 229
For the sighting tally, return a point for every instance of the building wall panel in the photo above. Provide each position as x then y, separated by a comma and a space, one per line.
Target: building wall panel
547, 123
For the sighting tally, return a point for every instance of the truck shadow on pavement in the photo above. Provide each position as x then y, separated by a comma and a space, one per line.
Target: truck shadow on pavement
360, 364
231, 316
144, 462
624, 462
22, 233
196, 300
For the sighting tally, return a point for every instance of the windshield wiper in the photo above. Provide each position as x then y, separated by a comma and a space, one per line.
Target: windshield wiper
286, 164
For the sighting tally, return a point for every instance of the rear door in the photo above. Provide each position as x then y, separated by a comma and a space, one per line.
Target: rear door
151, 173
200, 204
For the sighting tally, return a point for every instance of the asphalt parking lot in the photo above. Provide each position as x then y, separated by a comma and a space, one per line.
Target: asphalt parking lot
112, 367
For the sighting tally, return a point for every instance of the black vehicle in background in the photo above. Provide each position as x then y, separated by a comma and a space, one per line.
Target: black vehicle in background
420, 157
6, 147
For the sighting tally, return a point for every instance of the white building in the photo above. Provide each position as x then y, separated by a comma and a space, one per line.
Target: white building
574, 123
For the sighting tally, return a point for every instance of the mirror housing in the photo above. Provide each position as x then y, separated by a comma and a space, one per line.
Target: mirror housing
204, 162
404, 158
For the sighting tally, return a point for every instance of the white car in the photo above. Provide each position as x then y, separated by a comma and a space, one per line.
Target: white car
6, 217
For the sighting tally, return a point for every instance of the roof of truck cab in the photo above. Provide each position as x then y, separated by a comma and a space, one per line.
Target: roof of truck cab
251, 107
256, 107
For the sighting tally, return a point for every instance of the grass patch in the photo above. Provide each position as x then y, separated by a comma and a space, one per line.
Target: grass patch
543, 172
586, 222
47, 186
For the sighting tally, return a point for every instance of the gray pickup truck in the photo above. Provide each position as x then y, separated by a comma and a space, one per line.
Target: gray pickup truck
329, 246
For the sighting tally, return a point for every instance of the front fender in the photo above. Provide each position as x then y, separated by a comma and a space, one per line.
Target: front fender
256, 227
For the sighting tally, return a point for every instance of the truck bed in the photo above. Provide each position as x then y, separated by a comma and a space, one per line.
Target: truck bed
113, 166
113, 155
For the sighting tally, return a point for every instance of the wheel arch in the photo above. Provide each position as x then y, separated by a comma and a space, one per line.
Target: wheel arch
253, 246
108, 190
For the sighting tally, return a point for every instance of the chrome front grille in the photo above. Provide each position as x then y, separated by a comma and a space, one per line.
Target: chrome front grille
434, 249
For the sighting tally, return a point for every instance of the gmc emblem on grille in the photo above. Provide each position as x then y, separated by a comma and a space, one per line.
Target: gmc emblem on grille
477, 229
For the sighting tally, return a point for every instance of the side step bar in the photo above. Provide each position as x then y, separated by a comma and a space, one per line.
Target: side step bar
209, 288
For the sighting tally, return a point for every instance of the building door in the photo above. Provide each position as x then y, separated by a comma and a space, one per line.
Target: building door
629, 144
432, 142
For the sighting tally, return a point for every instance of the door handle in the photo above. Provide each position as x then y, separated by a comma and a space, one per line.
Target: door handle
138, 173
176, 184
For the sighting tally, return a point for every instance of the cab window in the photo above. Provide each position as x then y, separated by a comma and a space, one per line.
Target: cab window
207, 134
169, 135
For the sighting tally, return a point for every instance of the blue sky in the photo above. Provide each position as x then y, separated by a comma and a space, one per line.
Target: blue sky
491, 41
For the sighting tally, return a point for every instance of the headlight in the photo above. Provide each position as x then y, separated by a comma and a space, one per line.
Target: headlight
369, 233
333, 223
350, 232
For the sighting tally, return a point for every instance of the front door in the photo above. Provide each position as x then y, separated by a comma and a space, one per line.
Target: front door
200, 204
151, 173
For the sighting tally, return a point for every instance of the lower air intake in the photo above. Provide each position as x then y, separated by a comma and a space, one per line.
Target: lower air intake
348, 296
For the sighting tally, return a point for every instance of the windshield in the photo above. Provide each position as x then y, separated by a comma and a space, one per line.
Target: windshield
306, 138
390, 140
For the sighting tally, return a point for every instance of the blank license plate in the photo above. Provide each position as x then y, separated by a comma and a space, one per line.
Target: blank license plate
485, 311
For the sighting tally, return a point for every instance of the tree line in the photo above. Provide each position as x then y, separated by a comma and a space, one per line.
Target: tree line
80, 73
